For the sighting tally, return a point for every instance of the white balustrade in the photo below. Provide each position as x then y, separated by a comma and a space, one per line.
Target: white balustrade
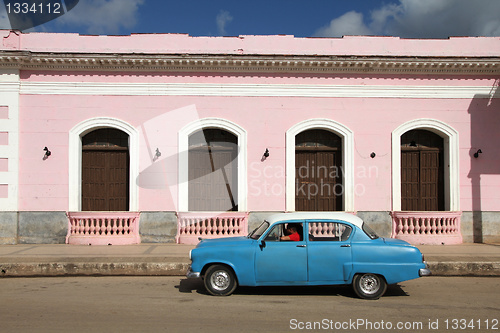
103, 228
427, 227
191, 226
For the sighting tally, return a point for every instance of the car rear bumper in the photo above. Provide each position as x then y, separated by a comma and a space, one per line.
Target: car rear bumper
424, 271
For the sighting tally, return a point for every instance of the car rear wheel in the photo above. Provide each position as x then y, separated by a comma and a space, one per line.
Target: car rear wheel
369, 286
220, 280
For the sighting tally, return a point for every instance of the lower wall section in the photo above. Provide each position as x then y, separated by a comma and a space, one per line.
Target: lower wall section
42, 227
481, 227
158, 227
161, 227
8, 227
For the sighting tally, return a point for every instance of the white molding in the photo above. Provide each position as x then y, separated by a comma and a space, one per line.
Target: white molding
75, 158
451, 157
347, 158
262, 90
9, 97
185, 132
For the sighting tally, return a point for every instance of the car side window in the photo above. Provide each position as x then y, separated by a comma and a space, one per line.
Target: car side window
274, 234
329, 231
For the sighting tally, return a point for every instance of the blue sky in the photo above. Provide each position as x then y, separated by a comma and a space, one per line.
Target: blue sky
302, 18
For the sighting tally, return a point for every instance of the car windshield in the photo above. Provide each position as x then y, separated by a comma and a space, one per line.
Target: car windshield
372, 234
259, 230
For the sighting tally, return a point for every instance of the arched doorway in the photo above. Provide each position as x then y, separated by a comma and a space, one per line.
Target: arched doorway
318, 171
422, 171
213, 171
105, 170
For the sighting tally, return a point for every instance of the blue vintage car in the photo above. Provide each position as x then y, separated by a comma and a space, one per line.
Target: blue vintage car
332, 248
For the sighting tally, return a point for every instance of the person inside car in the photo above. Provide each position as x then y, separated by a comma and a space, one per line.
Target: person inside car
293, 235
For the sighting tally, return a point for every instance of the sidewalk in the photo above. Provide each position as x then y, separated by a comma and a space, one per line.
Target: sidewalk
173, 259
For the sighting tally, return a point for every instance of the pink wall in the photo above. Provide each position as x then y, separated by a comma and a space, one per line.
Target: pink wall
45, 120
180, 43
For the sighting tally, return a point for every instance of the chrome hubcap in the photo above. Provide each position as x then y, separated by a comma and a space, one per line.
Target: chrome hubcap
369, 284
220, 280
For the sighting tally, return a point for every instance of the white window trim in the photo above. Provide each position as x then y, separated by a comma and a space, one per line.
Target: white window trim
347, 137
185, 132
451, 157
75, 158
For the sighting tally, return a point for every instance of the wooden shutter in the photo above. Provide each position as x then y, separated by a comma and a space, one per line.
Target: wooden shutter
318, 173
105, 171
105, 180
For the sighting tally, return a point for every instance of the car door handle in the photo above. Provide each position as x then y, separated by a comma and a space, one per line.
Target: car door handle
345, 245
301, 245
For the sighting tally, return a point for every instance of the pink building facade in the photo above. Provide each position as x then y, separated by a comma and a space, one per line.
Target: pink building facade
164, 138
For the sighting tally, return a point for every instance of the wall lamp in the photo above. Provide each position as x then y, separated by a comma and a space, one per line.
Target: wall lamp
265, 155
157, 154
47, 153
476, 154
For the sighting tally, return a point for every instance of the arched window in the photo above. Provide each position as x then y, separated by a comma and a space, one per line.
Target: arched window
422, 171
213, 170
105, 170
318, 171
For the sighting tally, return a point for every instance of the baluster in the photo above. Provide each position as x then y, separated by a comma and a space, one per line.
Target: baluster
411, 228
198, 225
77, 226
230, 225
405, 226
238, 223
120, 228
108, 226
189, 226
397, 225
433, 226
113, 225
225, 222
427, 226
440, 225
418, 223
313, 228
447, 225
87, 226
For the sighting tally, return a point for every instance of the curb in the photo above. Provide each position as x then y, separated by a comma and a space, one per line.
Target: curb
454, 268
93, 269
152, 268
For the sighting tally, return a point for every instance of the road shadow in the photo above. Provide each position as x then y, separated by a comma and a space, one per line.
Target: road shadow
196, 285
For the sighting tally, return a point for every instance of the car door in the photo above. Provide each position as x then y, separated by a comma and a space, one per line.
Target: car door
329, 252
281, 262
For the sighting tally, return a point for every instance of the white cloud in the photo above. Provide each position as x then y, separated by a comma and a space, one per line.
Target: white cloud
421, 19
351, 23
223, 18
102, 16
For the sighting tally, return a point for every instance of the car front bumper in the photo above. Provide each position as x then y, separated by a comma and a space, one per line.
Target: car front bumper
192, 275
424, 271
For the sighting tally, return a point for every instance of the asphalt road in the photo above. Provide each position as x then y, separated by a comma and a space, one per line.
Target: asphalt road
175, 304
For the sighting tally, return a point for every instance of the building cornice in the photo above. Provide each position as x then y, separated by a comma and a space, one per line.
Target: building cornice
25, 60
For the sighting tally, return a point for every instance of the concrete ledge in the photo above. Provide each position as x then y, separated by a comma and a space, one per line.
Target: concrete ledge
454, 268
93, 269
151, 267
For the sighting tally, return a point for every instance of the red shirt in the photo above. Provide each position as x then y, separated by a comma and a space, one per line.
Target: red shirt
294, 237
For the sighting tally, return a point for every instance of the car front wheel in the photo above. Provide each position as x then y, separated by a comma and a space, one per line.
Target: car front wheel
220, 280
369, 286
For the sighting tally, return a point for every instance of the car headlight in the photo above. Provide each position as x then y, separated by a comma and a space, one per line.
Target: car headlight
190, 254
